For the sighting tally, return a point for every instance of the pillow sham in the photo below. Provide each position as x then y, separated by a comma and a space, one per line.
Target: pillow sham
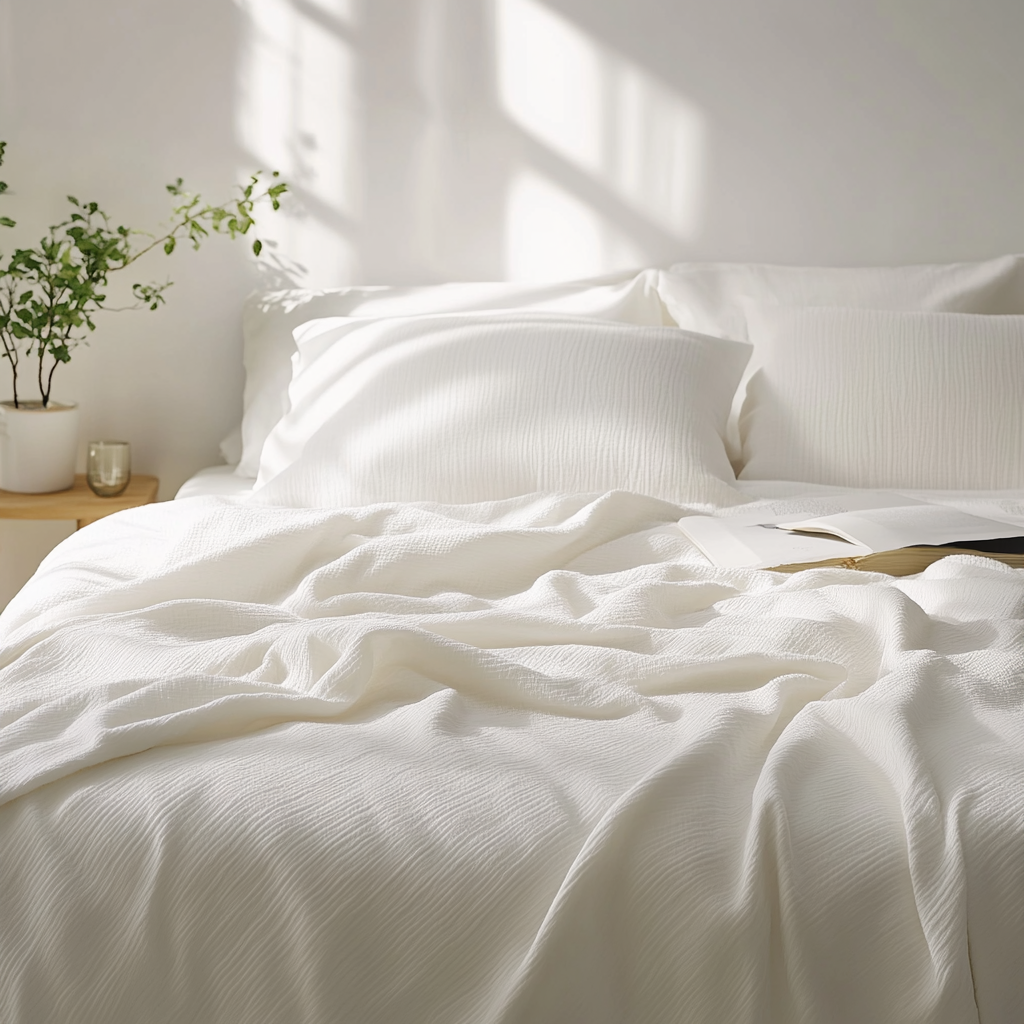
882, 398
710, 298
466, 408
268, 320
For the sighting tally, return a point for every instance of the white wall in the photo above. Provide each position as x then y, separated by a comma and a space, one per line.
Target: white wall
435, 140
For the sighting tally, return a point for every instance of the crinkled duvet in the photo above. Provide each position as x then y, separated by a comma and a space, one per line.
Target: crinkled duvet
518, 763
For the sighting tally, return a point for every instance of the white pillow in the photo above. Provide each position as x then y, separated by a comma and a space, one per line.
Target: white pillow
879, 398
710, 297
268, 320
465, 408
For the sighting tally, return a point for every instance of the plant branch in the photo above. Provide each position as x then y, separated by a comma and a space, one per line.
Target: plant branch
49, 294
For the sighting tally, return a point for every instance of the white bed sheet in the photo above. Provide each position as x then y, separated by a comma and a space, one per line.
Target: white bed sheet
524, 762
222, 481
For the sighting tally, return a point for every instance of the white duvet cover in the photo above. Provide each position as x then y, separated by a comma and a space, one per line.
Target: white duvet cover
522, 762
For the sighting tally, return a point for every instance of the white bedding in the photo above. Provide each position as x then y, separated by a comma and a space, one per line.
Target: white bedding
216, 480
472, 407
530, 761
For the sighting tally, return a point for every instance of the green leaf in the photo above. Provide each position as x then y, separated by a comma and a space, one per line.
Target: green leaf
7, 222
54, 288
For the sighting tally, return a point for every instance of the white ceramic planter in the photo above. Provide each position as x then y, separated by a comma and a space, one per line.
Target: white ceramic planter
37, 447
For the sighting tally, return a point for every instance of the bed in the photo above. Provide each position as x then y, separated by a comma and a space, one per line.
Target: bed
506, 747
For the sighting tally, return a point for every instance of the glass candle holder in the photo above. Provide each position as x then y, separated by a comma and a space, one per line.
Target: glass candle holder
109, 468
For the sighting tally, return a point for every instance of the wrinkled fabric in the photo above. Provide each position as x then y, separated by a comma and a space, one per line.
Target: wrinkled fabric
526, 761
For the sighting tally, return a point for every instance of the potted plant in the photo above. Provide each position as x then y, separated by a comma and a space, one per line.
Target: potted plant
49, 295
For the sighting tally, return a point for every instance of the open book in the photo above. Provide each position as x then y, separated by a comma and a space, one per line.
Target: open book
871, 531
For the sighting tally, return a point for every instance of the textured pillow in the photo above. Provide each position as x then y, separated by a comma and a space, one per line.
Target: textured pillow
710, 297
268, 320
878, 398
477, 407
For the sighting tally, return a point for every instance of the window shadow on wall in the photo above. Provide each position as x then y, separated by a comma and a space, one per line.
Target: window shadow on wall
463, 139
485, 139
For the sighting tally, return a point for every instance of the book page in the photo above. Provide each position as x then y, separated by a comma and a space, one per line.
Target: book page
886, 529
751, 539
1002, 507
733, 545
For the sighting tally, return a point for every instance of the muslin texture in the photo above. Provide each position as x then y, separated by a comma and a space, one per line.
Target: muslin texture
468, 408
712, 298
269, 318
529, 761
875, 398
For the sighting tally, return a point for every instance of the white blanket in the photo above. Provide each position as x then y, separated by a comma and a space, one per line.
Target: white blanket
520, 763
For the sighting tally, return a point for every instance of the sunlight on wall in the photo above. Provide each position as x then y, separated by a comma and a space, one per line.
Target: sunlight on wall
642, 143
551, 79
550, 234
298, 113
656, 151
341, 10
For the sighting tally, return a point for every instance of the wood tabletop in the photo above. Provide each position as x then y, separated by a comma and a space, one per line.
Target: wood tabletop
78, 502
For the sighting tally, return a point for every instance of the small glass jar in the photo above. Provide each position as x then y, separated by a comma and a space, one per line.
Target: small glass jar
109, 468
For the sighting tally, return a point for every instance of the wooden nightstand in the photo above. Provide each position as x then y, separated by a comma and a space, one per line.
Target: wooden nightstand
78, 502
